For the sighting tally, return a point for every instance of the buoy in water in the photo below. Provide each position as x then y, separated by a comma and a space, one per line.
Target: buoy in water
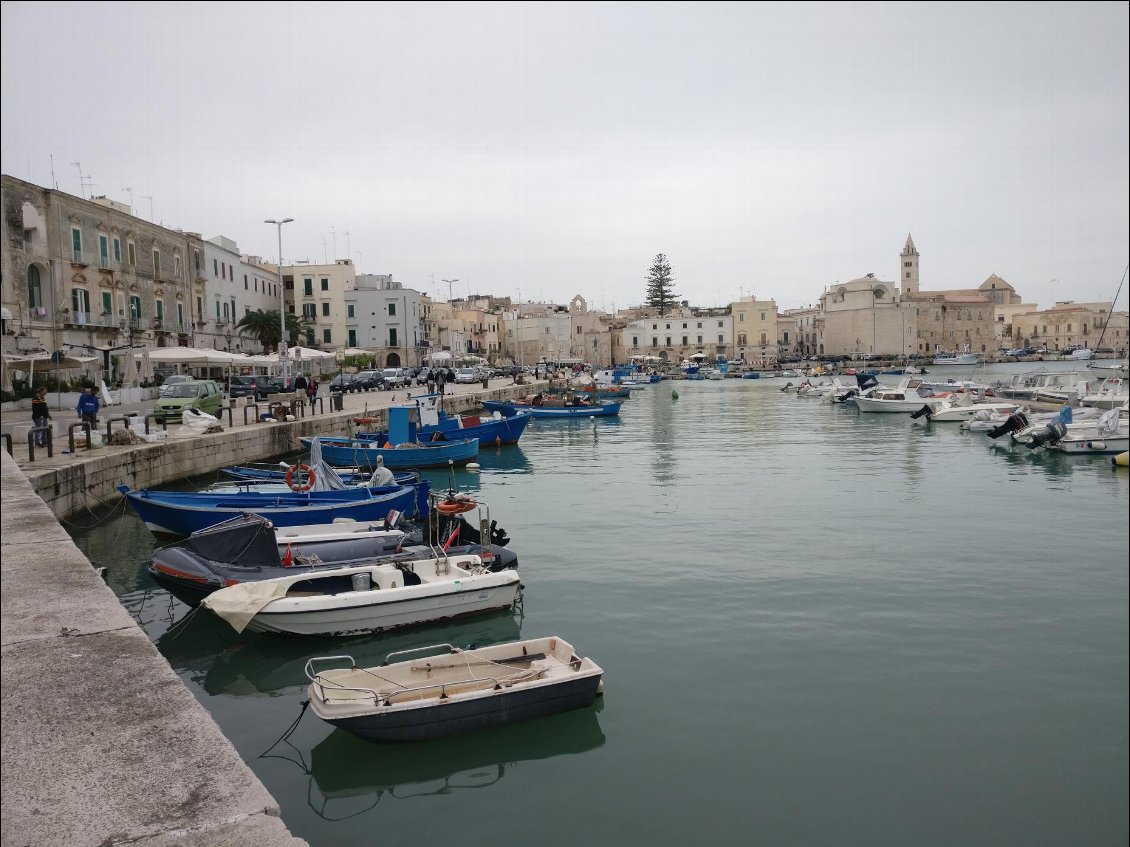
472, 466
674, 395
1122, 460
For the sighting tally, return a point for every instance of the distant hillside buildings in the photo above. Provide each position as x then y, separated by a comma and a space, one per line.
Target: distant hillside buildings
79, 272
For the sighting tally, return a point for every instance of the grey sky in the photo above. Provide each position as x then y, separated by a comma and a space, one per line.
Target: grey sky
555, 149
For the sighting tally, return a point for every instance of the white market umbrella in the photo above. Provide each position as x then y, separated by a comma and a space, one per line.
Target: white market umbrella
128, 365
356, 351
307, 353
146, 369
177, 355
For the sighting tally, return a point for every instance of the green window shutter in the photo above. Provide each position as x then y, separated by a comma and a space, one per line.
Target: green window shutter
107, 303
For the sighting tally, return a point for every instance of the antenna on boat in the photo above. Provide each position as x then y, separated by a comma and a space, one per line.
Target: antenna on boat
451, 472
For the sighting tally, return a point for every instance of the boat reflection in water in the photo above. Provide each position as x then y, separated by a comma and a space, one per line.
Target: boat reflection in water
251, 665
352, 775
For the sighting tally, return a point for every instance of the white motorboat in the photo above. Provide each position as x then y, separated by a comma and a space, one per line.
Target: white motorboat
1111, 394
1110, 433
1110, 370
943, 359
957, 408
371, 598
900, 400
1029, 386
987, 421
436, 696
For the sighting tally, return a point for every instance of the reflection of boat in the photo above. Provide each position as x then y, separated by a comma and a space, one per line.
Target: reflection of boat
456, 691
251, 666
343, 766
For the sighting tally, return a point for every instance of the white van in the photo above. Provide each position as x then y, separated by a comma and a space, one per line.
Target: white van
394, 378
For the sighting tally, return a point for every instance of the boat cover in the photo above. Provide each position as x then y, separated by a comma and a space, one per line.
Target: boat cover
246, 540
238, 604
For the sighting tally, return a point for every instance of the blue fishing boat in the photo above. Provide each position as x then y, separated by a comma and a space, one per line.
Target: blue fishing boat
186, 512
358, 453
541, 406
254, 474
436, 425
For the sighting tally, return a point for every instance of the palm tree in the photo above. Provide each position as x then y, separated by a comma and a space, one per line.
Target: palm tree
264, 327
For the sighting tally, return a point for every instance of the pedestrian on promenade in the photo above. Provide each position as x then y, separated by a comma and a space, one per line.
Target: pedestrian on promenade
40, 415
300, 383
87, 407
312, 389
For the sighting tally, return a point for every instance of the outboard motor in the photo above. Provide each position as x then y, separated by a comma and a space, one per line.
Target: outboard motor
1015, 422
926, 410
1052, 432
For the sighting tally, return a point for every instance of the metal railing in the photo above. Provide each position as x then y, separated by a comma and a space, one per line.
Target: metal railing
110, 423
7, 436
31, 442
71, 435
164, 424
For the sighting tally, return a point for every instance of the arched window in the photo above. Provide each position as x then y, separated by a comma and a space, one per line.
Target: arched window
34, 288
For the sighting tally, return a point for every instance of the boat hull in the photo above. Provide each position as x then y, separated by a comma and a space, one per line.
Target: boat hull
490, 431
544, 412
962, 359
901, 407
351, 453
369, 611
458, 717
180, 515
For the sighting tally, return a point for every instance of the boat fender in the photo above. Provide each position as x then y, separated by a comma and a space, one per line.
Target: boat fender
1096, 445
293, 484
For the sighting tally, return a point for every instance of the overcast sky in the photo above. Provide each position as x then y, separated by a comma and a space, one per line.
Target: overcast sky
554, 149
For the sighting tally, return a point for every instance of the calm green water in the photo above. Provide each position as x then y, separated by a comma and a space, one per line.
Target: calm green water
816, 628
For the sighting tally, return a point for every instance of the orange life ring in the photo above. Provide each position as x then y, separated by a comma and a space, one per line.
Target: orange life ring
300, 487
455, 507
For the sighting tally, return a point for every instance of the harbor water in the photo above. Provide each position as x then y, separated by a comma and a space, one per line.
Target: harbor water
817, 627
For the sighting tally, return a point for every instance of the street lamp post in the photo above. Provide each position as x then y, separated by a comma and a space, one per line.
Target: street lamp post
283, 361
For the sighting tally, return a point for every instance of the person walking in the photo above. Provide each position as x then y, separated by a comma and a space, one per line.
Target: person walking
312, 389
87, 407
300, 383
40, 416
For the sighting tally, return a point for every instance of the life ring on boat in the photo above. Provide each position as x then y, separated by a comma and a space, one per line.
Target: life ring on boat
455, 506
300, 486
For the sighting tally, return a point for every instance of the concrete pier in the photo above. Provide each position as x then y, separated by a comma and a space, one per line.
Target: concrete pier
101, 742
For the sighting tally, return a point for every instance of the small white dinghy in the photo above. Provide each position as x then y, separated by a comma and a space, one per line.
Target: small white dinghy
454, 692
370, 598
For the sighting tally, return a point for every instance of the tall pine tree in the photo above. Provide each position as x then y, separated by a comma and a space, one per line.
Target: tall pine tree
661, 294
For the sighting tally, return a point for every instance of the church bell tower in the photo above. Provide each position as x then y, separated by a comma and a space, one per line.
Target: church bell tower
908, 265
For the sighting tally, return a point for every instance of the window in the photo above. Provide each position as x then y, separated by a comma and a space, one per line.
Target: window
325, 284
107, 304
156, 262
117, 250
762, 316
654, 342
200, 308
217, 310
352, 337
132, 251
308, 287
392, 310
392, 339
159, 312
349, 313
684, 341
721, 340
215, 267
700, 341
309, 311
176, 266
310, 337
741, 339
135, 308
34, 288
245, 282
763, 339
327, 336
76, 243
668, 340
684, 326
579, 330
180, 315
226, 313
325, 310
719, 324
80, 302
103, 251
785, 337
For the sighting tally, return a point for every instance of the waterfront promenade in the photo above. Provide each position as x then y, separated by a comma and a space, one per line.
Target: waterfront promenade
102, 743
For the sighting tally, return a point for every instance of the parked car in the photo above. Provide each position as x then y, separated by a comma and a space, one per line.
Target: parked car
253, 386
394, 378
367, 380
342, 383
171, 380
468, 375
202, 394
423, 375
